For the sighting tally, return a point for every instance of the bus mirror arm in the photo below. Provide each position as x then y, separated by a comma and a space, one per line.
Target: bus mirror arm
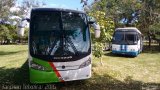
26, 19
96, 30
91, 22
21, 26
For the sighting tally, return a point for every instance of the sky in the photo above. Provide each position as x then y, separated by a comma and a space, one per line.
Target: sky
69, 4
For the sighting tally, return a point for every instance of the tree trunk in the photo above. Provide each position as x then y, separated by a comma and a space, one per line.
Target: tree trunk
159, 45
8, 41
110, 46
4, 42
149, 37
101, 61
19, 40
1, 42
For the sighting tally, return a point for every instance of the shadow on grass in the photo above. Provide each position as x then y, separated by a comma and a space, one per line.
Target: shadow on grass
14, 75
152, 49
106, 82
9, 53
118, 55
20, 76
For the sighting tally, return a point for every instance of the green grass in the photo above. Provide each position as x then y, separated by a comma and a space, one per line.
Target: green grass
12, 60
13, 56
117, 72
143, 68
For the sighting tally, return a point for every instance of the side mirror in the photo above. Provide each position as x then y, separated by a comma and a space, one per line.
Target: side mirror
96, 26
91, 20
21, 26
27, 19
21, 32
97, 31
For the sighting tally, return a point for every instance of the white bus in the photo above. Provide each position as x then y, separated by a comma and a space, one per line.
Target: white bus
59, 45
127, 41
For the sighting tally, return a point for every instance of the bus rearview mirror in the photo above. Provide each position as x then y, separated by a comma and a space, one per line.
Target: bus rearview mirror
27, 19
96, 30
21, 32
91, 20
97, 33
21, 26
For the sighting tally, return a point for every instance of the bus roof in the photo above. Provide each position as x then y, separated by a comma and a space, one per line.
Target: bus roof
56, 9
128, 28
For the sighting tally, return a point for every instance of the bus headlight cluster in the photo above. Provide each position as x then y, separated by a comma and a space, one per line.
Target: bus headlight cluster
132, 49
113, 48
86, 63
37, 66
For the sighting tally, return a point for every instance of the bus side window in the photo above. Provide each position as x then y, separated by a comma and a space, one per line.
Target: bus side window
138, 37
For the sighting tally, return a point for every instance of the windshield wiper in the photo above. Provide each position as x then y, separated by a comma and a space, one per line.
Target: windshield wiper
53, 45
72, 45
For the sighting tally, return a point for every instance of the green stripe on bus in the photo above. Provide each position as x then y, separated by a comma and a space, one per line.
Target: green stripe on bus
43, 63
37, 76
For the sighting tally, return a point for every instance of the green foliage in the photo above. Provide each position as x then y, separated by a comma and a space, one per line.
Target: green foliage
28, 4
148, 14
12, 32
4, 32
8, 33
131, 13
116, 10
26, 34
98, 49
155, 30
5, 6
145, 12
106, 27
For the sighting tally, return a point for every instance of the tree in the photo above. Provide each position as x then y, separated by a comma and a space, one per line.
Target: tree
4, 34
124, 12
137, 13
5, 6
13, 33
27, 5
26, 34
7, 33
25, 11
149, 14
3, 31
155, 29
107, 28
6, 30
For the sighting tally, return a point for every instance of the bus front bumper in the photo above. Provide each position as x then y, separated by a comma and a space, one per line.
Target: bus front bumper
37, 76
130, 53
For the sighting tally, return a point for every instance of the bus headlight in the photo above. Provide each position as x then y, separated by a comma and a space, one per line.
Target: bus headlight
132, 49
114, 49
86, 63
135, 42
37, 66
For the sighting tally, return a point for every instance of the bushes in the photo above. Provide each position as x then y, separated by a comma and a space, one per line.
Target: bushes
8, 34
155, 32
4, 34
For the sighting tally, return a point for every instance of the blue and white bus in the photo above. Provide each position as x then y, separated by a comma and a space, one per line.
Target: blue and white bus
127, 41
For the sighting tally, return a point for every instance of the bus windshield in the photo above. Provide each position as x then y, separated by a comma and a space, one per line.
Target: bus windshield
59, 35
125, 37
